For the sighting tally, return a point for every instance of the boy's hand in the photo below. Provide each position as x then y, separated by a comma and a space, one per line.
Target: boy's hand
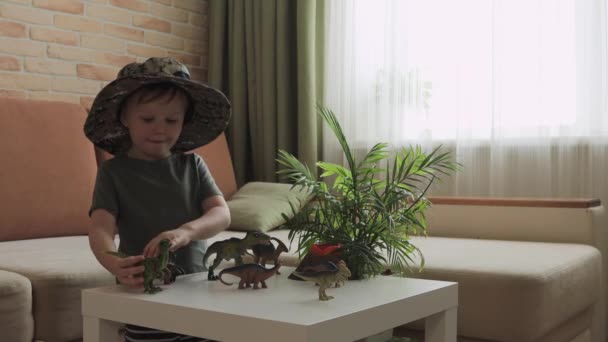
179, 238
128, 270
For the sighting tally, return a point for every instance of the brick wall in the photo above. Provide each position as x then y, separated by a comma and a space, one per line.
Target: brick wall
68, 50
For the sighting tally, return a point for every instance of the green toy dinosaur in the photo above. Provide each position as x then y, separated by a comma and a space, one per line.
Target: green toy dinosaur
333, 274
154, 267
233, 248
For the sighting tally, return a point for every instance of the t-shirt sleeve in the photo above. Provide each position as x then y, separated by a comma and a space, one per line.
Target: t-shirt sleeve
104, 194
207, 186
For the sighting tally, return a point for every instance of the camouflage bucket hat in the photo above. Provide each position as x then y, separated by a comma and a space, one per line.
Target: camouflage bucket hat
210, 109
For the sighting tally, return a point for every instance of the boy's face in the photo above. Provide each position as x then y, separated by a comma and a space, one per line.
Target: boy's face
155, 125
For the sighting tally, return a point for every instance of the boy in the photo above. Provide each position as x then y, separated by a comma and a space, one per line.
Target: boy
151, 190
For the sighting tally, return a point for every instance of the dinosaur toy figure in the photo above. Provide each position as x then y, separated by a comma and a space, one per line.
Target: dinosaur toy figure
233, 248
250, 274
333, 274
154, 267
319, 254
265, 252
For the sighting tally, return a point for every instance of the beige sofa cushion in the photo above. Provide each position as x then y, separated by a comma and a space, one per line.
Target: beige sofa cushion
58, 269
514, 291
16, 320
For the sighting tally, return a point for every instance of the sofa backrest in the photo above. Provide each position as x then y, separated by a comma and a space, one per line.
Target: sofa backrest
514, 219
47, 169
217, 157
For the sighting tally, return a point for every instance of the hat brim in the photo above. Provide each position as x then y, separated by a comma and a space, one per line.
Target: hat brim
210, 113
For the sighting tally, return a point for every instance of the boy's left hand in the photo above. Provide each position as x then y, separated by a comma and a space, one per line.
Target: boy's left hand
178, 238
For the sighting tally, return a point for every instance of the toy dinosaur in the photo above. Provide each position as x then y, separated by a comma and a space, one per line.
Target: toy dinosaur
319, 254
333, 274
233, 248
265, 252
250, 274
154, 267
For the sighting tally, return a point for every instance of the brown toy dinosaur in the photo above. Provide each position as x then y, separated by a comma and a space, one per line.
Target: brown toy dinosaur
264, 252
250, 274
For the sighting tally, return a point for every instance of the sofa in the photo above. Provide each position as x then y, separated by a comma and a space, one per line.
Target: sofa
528, 270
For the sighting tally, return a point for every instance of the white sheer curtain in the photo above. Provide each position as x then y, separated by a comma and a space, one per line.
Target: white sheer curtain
517, 89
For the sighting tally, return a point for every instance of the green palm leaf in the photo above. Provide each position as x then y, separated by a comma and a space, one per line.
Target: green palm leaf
373, 206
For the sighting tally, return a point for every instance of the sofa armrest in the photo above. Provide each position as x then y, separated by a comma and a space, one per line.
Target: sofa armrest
581, 221
520, 219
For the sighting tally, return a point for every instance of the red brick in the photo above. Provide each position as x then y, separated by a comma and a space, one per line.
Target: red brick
152, 23
190, 32
191, 5
15, 94
23, 2
68, 6
79, 24
124, 32
71, 85
164, 40
102, 43
9, 63
195, 47
111, 59
54, 36
136, 5
145, 51
29, 15
15, 80
113, 14
22, 47
69, 53
199, 20
49, 66
171, 13
94, 72
12, 29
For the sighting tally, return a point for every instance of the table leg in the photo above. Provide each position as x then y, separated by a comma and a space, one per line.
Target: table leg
441, 327
381, 337
100, 330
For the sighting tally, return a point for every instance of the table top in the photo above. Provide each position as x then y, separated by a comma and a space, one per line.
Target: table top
199, 307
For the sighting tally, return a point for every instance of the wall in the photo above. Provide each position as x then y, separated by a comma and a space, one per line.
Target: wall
68, 50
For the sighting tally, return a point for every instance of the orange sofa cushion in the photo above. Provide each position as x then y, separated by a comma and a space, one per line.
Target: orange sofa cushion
217, 157
47, 169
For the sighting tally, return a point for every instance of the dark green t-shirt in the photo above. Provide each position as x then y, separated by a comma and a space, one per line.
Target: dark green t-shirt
150, 197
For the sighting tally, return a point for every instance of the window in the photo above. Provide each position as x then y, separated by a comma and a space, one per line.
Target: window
467, 69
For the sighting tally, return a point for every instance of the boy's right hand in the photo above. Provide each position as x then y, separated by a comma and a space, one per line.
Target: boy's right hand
129, 271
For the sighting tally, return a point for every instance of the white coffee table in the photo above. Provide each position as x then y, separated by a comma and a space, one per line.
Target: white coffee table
287, 310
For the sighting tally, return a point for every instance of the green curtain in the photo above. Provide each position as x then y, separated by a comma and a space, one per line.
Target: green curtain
266, 56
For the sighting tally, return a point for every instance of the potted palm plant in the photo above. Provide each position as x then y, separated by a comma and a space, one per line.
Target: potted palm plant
370, 208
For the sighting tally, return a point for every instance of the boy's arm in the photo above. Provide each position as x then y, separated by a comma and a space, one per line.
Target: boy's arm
215, 220
101, 240
101, 236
